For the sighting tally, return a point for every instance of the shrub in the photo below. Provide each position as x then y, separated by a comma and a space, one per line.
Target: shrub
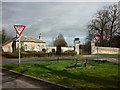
69, 52
37, 54
51, 54
24, 54
10, 55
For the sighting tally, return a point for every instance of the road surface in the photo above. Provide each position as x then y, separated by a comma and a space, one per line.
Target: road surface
115, 59
14, 82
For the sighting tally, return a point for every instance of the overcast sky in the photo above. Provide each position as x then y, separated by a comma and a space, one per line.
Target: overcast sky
51, 18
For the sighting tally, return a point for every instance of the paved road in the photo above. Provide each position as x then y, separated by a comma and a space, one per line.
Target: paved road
93, 57
13, 81
115, 59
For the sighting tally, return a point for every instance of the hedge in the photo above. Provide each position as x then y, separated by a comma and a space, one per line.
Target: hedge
35, 54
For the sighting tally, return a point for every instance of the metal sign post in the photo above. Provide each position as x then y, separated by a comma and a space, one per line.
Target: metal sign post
19, 48
97, 39
19, 29
97, 50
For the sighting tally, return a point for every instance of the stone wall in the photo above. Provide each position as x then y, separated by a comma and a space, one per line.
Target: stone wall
49, 48
104, 50
67, 48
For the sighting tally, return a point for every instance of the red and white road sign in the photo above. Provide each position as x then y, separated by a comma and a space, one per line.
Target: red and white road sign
97, 38
19, 29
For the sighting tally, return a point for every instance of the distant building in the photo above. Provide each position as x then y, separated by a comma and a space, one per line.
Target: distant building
30, 43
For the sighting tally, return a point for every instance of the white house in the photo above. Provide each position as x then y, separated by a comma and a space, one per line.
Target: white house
30, 43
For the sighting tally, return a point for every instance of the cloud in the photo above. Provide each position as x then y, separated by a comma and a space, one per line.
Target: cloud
50, 18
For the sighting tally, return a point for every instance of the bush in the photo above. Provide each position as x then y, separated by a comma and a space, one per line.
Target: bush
51, 54
69, 53
24, 54
10, 55
37, 54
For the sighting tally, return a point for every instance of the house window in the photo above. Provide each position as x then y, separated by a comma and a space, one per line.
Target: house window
53, 50
44, 50
25, 47
38, 47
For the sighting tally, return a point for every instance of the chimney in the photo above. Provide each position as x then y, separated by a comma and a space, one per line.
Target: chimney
40, 36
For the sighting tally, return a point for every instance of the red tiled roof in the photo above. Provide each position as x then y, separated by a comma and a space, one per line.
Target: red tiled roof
9, 41
5, 43
24, 39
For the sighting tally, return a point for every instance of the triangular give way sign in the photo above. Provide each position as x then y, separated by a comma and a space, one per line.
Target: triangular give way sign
19, 29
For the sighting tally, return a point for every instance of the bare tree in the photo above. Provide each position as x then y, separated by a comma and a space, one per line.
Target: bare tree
105, 24
113, 22
5, 36
98, 25
60, 41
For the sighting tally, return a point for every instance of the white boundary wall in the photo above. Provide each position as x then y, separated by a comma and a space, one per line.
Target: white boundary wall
104, 50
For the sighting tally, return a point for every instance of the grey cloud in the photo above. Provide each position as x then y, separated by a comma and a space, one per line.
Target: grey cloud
50, 18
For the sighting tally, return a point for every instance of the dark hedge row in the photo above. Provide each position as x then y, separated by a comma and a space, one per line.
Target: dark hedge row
35, 54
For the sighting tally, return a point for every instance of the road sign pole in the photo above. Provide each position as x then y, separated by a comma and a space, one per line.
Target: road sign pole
97, 50
19, 48
96, 38
19, 29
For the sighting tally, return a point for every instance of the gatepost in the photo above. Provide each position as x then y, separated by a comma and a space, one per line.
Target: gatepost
76, 45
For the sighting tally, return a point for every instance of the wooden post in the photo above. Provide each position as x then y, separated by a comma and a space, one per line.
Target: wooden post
57, 59
85, 62
76, 63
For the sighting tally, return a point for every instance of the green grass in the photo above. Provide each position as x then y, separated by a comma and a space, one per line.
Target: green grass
100, 75
108, 54
52, 57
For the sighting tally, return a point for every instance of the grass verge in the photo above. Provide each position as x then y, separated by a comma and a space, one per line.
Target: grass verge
100, 75
52, 57
108, 54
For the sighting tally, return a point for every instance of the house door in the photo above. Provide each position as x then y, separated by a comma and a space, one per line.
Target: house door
58, 52
14, 46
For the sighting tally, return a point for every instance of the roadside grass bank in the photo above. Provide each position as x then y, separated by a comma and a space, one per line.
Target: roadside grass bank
31, 58
94, 75
108, 54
